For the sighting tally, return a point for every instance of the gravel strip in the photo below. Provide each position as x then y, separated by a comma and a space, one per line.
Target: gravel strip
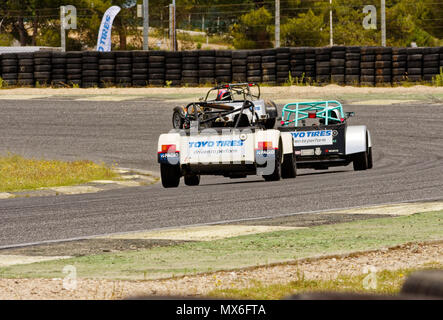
404, 256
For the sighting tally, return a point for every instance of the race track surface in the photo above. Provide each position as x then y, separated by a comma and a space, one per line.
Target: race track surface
407, 151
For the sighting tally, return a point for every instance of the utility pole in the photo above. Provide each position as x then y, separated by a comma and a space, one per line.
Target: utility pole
172, 34
62, 28
145, 24
203, 23
331, 33
383, 23
277, 23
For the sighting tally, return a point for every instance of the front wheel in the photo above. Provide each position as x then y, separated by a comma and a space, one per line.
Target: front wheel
192, 180
177, 120
170, 175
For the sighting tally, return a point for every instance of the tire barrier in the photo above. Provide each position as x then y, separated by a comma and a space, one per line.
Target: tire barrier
350, 65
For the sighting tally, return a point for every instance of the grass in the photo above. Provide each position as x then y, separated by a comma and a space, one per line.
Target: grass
438, 79
387, 282
243, 251
18, 173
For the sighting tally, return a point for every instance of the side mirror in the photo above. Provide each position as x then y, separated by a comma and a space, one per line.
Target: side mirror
350, 114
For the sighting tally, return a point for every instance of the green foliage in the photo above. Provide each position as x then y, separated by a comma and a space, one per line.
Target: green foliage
438, 79
6, 39
253, 30
304, 30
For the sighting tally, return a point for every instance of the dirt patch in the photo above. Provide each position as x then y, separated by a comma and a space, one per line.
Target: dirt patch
88, 247
202, 233
311, 220
405, 256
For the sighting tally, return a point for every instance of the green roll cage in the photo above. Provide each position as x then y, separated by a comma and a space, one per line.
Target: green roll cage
303, 110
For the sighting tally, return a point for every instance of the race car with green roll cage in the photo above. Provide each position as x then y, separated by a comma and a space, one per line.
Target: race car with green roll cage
202, 147
323, 138
222, 105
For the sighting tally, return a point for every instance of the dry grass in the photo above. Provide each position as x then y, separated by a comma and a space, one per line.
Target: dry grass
18, 173
383, 282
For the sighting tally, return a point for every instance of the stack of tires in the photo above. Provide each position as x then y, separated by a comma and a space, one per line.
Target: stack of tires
123, 68
106, 68
282, 67
9, 68
254, 66
156, 68
415, 66
173, 68
352, 66
399, 60
74, 68
223, 66
298, 63
367, 66
431, 63
90, 72
383, 66
268, 66
206, 67
239, 65
140, 61
58, 70
323, 65
190, 68
42, 67
25, 69
338, 61
310, 65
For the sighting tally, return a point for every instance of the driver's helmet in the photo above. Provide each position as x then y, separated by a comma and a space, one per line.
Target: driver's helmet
223, 95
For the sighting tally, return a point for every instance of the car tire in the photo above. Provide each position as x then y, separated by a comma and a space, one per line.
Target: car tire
289, 166
192, 180
276, 174
170, 175
370, 164
360, 161
177, 120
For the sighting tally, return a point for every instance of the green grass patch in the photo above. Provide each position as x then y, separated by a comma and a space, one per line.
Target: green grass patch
243, 251
386, 282
18, 173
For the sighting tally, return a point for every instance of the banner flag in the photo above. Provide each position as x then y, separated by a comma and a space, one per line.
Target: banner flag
104, 35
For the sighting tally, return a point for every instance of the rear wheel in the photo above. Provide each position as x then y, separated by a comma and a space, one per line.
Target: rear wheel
370, 164
271, 111
277, 170
360, 161
192, 180
170, 175
288, 167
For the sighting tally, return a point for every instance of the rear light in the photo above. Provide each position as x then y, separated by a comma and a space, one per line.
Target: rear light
282, 122
265, 145
226, 85
341, 119
312, 115
169, 148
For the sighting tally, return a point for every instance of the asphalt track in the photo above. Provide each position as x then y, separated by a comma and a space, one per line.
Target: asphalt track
408, 165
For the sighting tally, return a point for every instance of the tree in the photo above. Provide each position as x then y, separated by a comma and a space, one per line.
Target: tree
252, 31
307, 29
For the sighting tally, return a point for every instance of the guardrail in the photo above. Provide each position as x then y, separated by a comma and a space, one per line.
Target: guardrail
351, 65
